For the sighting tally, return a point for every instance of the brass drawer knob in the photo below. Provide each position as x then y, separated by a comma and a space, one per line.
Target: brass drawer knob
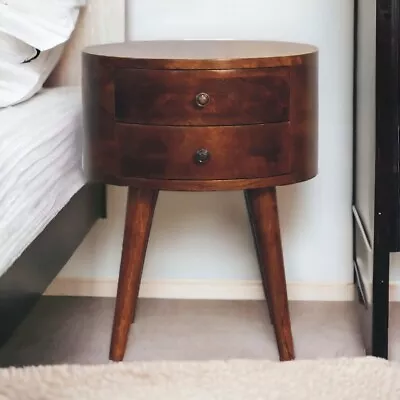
201, 156
202, 99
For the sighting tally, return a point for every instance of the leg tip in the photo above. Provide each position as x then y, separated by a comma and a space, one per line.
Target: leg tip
116, 355
115, 358
287, 357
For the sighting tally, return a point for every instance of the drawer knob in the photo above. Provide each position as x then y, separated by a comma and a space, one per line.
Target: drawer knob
201, 156
202, 99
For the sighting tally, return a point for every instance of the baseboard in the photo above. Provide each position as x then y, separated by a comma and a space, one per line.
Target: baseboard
394, 292
201, 289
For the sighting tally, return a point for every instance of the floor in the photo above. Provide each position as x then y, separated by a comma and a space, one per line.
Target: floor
77, 330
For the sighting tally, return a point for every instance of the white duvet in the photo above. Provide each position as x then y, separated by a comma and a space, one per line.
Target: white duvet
41, 150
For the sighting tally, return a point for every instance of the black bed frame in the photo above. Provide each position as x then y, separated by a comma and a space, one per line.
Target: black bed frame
23, 284
375, 248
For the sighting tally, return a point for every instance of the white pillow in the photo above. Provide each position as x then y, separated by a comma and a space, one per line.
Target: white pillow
23, 69
14, 50
32, 37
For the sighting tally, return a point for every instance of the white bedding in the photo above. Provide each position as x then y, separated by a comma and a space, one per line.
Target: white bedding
41, 150
33, 34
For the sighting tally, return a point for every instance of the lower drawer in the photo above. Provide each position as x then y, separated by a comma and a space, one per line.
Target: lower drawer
218, 152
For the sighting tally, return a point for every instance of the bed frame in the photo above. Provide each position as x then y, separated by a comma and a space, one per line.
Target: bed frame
23, 284
376, 199
27, 279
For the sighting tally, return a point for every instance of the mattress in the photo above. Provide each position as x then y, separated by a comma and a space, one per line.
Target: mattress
41, 165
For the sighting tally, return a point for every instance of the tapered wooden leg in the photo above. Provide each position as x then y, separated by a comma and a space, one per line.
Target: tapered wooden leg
139, 215
259, 255
263, 214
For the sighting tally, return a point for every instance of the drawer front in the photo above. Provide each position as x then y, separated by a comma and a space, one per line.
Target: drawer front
252, 151
202, 97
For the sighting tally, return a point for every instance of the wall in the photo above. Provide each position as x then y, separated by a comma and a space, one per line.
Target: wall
205, 237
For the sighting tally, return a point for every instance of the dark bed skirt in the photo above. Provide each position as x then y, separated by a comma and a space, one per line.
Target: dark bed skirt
24, 282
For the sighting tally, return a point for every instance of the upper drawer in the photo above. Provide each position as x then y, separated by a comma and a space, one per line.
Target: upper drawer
202, 97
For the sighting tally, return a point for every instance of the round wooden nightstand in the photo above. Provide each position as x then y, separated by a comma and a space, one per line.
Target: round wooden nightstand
201, 115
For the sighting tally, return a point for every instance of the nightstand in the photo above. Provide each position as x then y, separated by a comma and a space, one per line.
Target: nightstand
196, 116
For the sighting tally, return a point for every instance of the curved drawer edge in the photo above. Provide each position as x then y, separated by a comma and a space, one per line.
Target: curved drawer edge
207, 185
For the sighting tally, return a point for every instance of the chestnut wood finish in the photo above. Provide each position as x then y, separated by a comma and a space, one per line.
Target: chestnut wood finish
202, 54
240, 96
139, 215
107, 151
263, 212
234, 152
195, 116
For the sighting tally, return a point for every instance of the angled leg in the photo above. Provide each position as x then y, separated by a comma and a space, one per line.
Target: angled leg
139, 215
258, 252
263, 214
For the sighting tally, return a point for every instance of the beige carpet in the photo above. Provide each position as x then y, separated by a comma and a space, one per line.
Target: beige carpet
73, 330
339, 379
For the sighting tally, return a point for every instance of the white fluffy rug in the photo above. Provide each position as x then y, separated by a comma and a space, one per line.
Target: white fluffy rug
337, 379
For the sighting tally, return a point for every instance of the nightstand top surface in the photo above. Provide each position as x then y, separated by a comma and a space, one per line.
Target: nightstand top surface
200, 49
208, 54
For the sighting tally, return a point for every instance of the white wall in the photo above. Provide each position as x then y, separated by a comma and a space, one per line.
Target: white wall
206, 235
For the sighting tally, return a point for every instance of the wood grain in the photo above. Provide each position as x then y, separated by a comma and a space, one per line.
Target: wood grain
202, 54
304, 117
139, 215
263, 214
161, 97
235, 152
196, 185
110, 144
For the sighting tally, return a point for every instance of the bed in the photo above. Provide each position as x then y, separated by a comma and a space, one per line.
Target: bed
376, 195
47, 204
